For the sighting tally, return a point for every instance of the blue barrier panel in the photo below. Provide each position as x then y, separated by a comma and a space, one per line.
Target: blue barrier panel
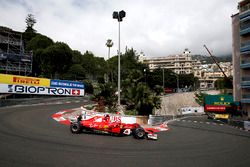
66, 84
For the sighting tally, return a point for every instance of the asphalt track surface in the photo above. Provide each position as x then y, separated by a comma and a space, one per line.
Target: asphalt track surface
29, 137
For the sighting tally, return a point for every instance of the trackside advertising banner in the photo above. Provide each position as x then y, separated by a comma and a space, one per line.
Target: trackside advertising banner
39, 86
66, 84
23, 80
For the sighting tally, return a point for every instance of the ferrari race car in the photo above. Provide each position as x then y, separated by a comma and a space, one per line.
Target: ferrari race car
103, 124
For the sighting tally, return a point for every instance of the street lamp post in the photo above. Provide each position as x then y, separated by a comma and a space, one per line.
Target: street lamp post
177, 78
177, 81
163, 79
145, 75
119, 15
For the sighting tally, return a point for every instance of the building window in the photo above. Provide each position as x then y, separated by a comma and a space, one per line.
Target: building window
245, 7
244, 25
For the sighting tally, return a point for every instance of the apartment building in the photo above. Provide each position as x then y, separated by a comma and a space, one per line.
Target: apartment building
241, 54
207, 74
180, 64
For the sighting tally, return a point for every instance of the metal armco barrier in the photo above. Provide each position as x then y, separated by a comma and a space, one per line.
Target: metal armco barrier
247, 125
28, 101
143, 120
236, 123
240, 124
158, 119
11, 102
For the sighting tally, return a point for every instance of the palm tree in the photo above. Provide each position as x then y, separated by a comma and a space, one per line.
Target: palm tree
109, 44
138, 95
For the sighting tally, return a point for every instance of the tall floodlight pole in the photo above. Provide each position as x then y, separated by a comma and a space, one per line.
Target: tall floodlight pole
119, 16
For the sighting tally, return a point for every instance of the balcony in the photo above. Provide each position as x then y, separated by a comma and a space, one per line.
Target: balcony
245, 47
245, 53
244, 15
245, 26
245, 98
245, 82
245, 64
244, 31
245, 19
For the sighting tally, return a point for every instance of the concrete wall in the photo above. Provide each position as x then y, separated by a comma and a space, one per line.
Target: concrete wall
172, 102
236, 57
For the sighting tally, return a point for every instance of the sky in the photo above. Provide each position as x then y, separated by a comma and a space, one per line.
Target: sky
155, 27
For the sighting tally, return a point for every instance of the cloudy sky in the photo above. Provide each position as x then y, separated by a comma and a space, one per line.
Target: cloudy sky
155, 27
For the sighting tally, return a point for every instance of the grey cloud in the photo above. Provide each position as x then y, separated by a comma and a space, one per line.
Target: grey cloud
158, 28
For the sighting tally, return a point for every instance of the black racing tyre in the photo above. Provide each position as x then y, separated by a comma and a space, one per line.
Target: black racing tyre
139, 133
75, 127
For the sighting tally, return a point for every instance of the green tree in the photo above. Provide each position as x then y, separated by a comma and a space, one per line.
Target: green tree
88, 86
37, 63
37, 44
135, 92
30, 21
56, 60
187, 80
158, 89
109, 44
75, 72
145, 100
137, 95
129, 61
30, 32
224, 83
112, 69
95, 67
156, 78
199, 98
106, 93
100, 68
2, 28
77, 57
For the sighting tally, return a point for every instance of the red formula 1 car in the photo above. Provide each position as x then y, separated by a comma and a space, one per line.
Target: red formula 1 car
103, 124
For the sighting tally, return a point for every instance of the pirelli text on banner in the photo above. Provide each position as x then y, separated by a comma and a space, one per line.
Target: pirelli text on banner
23, 80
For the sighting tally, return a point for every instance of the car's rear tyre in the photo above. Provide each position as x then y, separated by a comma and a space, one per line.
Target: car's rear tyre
139, 133
76, 127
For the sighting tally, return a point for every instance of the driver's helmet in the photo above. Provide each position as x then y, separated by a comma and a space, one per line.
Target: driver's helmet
79, 118
106, 117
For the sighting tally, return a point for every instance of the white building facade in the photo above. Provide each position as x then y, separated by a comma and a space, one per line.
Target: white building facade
180, 64
183, 63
